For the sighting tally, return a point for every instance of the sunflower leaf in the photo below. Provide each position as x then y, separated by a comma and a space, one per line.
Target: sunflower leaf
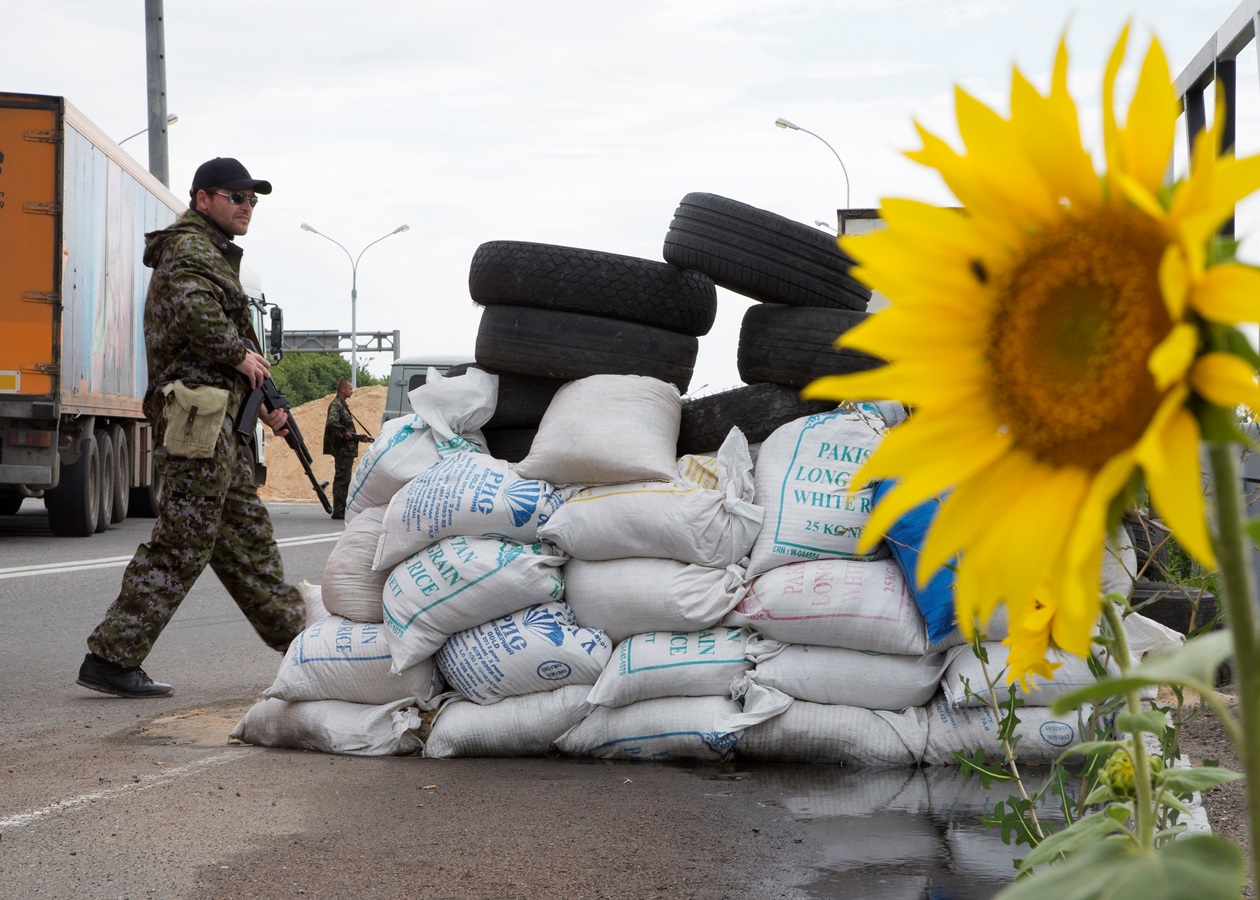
1203, 866
1197, 779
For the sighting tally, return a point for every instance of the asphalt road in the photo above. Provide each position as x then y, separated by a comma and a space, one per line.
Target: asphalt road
102, 797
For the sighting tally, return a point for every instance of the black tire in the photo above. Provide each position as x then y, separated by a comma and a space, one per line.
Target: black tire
146, 500
757, 410
570, 345
1150, 545
10, 504
105, 450
794, 345
546, 276
761, 255
511, 444
523, 399
1175, 606
122, 475
74, 505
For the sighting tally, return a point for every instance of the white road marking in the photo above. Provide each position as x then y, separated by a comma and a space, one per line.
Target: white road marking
107, 562
144, 783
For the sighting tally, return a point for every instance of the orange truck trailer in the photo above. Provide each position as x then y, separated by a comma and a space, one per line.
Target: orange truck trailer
74, 209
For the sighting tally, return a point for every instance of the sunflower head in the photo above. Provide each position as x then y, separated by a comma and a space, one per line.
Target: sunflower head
1049, 334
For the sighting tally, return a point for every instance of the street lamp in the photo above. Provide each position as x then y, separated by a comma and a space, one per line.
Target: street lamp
784, 123
354, 293
821, 224
170, 120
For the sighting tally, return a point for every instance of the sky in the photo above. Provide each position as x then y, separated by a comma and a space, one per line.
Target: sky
561, 122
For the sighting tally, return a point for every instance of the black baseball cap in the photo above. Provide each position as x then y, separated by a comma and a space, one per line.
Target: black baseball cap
227, 173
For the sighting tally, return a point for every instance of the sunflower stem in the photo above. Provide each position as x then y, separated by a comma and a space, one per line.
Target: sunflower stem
1232, 549
1144, 812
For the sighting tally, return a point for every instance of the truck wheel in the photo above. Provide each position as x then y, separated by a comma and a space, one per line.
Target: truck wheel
570, 345
757, 410
794, 345
105, 450
547, 276
74, 505
146, 500
122, 474
761, 255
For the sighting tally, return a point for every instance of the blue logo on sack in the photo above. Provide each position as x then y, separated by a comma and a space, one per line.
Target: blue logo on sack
540, 620
522, 498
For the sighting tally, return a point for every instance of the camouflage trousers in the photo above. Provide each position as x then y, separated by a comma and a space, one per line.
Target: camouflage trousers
209, 514
343, 471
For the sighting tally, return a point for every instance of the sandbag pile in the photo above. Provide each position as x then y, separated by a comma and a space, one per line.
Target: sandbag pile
604, 598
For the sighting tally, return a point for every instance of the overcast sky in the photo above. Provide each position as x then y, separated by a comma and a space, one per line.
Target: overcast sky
575, 123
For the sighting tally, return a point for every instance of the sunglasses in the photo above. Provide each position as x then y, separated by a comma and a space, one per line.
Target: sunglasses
236, 198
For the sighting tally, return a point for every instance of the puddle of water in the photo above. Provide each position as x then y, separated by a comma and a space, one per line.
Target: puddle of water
900, 834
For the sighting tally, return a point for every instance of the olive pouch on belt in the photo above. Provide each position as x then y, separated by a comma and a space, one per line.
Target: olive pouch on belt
194, 417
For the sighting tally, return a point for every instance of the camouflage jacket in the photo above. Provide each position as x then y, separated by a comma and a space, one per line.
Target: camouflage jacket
339, 439
196, 314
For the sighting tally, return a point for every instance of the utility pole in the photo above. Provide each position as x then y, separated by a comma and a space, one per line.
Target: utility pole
155, 46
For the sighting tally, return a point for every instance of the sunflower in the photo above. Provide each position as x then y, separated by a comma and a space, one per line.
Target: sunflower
1052, 336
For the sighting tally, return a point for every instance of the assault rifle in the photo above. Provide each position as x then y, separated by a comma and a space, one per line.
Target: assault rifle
270, 396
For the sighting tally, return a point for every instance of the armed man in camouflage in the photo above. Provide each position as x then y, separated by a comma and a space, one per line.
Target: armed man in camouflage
196, 320
341, 442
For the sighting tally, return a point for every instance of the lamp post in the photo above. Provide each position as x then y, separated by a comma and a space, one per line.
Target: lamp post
354, 293
784, 123
170, 120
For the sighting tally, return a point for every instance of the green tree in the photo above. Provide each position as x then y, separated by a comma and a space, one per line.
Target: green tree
304, 377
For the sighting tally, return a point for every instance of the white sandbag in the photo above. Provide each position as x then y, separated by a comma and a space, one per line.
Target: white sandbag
333, 726
448, 414
337, 659
846, 677
673, 664
804, 472
622, 597
677, 519
518, 726
607, 429
462, 582
964, 665
466, 493
541, 648
1043, 735
698, 728
312, 602
350, 587
847, 735
858, 604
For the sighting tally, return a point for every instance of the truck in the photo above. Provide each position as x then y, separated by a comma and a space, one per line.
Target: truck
74, 209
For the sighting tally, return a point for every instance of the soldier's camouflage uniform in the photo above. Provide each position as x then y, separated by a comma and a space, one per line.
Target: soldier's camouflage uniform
195, 319
341, 444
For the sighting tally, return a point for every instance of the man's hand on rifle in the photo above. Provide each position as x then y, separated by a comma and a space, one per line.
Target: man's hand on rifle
255, 367
275, 419
363, 438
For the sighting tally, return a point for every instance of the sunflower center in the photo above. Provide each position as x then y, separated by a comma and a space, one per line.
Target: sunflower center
1077, 317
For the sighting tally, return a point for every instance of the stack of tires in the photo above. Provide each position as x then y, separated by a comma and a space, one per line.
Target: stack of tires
554, 314
806, 299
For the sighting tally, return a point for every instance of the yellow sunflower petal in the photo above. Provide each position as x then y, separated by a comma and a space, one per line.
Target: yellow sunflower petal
1228, 293
1171, 360
1111, 131
1174, 281
1169, 455
1226, 380
1149, 130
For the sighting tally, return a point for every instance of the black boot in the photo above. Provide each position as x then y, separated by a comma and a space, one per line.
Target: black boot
97, 674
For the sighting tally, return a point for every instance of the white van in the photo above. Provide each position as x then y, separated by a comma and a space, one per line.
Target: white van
407, 374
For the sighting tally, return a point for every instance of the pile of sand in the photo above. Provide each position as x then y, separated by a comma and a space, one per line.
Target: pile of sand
285, 479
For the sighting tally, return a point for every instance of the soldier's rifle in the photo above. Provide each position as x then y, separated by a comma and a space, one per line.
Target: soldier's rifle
270, 396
